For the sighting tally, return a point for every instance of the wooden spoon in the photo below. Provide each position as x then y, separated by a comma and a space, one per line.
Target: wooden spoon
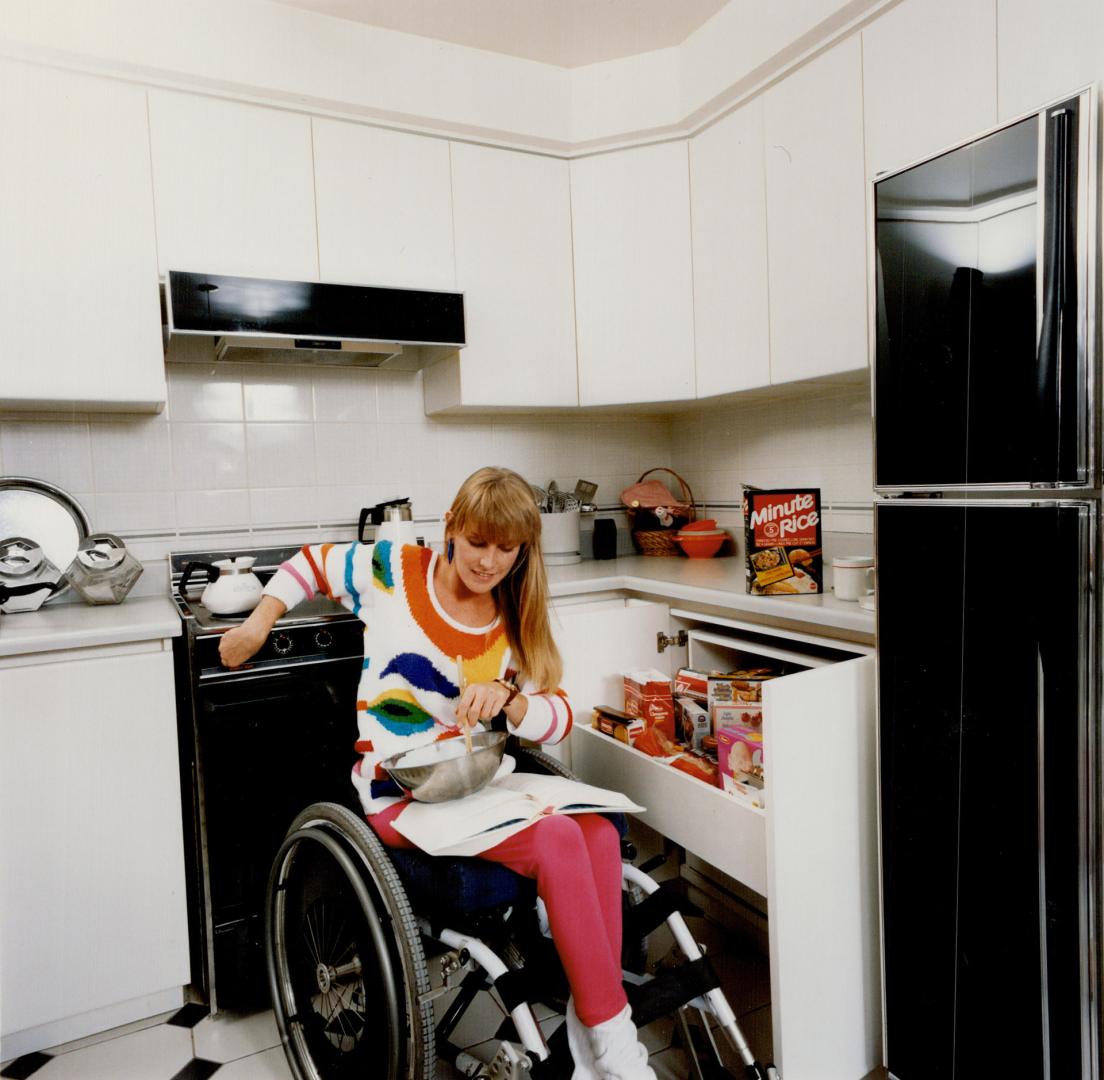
463, 684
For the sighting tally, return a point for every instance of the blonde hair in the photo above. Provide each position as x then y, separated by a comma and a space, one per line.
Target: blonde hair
498, 506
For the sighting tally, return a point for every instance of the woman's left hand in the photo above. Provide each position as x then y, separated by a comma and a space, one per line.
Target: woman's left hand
481, 702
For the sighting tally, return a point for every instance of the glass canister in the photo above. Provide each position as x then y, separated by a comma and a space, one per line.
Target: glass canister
103, 571
27, 577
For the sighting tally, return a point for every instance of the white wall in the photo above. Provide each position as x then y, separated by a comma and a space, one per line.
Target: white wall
247, 448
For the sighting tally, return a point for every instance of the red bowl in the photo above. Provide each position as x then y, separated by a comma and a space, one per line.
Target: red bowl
701, 547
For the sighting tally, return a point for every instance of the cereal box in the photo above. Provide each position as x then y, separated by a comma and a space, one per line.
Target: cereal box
782, 541
648, 695
694, 722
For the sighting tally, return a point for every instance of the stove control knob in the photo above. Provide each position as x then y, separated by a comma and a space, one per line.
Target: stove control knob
323, 639
281, 644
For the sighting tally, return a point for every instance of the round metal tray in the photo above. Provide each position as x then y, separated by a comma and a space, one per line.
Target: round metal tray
46, 514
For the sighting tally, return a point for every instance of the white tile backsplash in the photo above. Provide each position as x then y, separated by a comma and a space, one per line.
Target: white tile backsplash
207, 456
245, 447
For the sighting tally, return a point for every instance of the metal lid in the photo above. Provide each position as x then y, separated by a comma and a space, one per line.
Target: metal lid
101, 551
19, 556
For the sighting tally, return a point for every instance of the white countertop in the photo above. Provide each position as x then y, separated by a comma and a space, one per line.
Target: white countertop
75, 626
712, 583
715, 583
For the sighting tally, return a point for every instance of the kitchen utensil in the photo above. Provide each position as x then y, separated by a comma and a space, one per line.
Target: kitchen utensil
462, 683
103, 571
232, 586
585, 491
445, 770
701, 544
51, 517
27, 577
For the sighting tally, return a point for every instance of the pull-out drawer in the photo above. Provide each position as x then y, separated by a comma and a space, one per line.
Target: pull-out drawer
812, 852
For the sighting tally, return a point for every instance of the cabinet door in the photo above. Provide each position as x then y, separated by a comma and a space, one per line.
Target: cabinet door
234, 188
633, 292
92, 894
599, 642
732, 340
924, 88
816, 218
1045, 51
384, 207
78, 277
513, 264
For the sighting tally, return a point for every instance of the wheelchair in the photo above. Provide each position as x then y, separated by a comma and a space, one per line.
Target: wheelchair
362, 939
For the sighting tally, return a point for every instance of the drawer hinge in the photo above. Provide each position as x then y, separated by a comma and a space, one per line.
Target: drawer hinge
663, 640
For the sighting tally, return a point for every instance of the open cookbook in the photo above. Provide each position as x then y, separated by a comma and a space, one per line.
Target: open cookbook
504, 807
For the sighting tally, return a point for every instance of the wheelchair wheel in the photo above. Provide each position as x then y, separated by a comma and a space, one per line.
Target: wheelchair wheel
345, 962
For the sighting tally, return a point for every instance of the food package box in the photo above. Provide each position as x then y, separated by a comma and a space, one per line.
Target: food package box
740, 752
694, 722
615, 723
746, 791
736, 697
648, 695
782, 541
699, 766
692, 684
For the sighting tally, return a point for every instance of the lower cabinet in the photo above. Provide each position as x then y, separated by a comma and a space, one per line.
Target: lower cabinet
93, 921
811, 854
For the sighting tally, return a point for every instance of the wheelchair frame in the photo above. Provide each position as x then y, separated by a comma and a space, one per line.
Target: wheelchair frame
363, 1007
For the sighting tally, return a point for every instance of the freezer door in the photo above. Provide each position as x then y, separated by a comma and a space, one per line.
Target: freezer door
985, 698
981, 308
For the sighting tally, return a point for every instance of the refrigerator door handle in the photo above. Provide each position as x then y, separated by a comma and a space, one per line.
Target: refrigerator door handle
1056, 457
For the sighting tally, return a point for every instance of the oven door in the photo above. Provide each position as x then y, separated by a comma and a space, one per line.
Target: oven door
267, 746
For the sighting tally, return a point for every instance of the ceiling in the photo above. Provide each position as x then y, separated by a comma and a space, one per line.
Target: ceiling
568, 33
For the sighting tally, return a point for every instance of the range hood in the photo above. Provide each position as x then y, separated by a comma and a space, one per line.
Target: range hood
266, 320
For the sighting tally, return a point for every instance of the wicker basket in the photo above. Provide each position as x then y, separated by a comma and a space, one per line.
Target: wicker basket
660, 541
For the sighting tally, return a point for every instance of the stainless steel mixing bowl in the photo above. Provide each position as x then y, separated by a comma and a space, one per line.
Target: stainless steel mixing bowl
445, 770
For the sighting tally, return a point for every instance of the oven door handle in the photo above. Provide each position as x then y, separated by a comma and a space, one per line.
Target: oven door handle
236, 674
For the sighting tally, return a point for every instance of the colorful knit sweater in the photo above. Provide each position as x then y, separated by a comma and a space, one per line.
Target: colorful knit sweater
409, 682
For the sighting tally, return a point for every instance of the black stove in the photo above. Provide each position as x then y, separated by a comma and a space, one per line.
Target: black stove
257, 744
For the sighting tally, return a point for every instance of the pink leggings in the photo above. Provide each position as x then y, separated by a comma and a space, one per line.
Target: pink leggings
575, 860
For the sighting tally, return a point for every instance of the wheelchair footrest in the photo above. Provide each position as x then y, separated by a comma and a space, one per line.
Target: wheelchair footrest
641, 919
670, 990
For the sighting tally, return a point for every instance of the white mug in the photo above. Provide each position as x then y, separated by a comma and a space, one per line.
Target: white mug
852, 576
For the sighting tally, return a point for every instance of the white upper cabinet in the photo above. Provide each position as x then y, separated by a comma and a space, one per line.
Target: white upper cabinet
633, 277
78, 277
929, 79
816, 218
512, 224
1044, 51
234, 188
732, 339
384, 207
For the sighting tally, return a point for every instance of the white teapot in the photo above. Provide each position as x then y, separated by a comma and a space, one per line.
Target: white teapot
232, 587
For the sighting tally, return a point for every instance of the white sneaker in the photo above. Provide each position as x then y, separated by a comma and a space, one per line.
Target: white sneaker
579, 1044
618, 1052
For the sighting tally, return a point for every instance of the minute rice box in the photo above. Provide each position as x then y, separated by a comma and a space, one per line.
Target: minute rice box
782, 541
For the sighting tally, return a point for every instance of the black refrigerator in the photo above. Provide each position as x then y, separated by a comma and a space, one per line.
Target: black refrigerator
987, 530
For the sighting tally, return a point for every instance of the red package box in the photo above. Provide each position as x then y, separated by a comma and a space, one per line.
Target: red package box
648, 695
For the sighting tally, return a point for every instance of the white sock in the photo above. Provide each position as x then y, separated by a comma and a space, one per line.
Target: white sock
579, 1044
618, 1052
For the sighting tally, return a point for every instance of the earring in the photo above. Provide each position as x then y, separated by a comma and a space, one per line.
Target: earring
449, 551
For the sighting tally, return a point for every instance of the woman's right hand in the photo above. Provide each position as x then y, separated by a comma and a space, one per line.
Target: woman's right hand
239, 643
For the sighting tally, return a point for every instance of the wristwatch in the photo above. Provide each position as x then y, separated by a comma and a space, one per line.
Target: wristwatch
512, 687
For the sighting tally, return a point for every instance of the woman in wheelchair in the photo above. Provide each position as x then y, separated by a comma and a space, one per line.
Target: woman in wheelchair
485, 602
